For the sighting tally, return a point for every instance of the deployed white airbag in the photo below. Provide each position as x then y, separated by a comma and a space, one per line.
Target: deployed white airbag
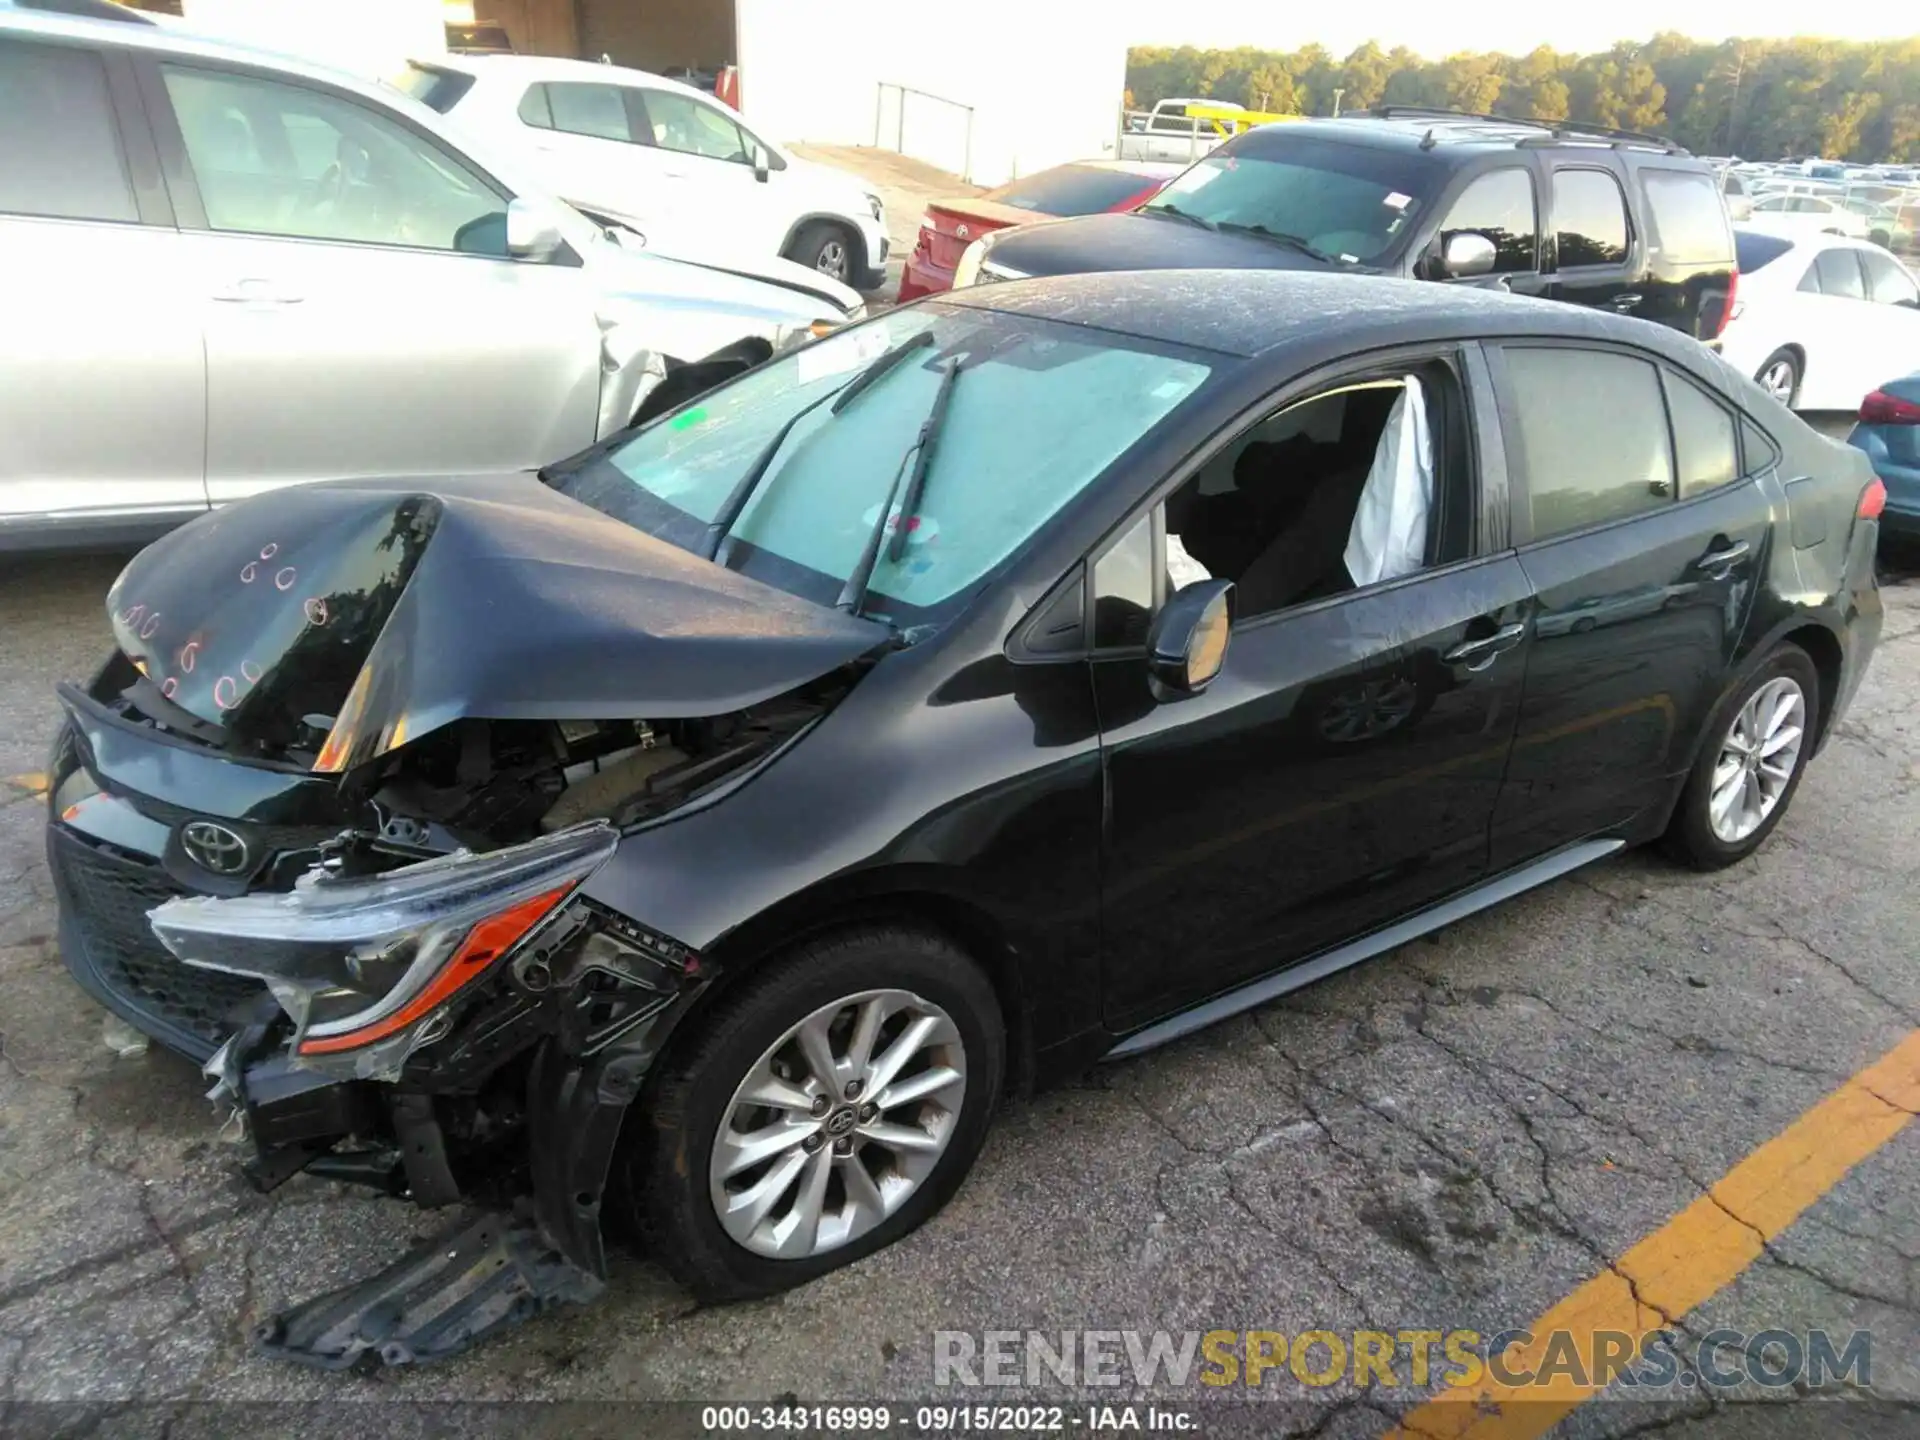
1389, 534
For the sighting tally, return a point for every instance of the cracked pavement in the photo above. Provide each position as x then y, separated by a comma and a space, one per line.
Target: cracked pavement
1456, 1135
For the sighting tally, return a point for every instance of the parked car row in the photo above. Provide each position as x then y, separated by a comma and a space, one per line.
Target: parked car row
702, 832
1623, 222
269, 272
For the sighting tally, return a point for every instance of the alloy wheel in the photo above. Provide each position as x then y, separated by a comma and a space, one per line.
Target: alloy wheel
1777, 380
832, 259
1757, 761
837, 1124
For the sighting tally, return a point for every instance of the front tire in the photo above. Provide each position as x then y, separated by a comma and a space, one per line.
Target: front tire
1758, 744
1779, 376
826, 247
830, 1106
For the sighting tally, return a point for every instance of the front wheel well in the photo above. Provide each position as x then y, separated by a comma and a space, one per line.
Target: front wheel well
970, 929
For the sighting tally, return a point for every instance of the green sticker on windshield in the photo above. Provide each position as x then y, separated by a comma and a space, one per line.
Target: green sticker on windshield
687, 419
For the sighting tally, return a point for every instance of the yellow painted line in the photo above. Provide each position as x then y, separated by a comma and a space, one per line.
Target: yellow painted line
1688, 1259
33, 783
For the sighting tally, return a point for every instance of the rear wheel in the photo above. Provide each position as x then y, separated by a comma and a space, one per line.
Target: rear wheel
1758, 745
831, 1106
1779, 376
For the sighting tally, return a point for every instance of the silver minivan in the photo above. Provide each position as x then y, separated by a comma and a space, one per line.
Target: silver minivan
230, 270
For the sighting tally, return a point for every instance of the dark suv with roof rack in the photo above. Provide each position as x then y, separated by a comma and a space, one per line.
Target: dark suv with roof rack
1613, 219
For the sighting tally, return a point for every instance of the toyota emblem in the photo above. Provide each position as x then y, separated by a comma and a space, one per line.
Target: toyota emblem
962, 231
214, 847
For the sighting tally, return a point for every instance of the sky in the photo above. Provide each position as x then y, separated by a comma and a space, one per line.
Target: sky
1435, 28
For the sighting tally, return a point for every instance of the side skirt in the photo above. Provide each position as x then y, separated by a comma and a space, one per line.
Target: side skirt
1330, 962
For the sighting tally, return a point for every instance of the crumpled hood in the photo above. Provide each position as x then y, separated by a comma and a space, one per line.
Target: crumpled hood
673, 269
1130, 241
403, 605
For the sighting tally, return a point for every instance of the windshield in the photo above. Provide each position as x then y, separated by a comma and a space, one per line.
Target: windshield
1037, 411
1351, 202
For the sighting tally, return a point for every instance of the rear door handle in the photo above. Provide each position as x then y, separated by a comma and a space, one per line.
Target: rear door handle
1627, 301
255, 292
1718, 563
1479, 654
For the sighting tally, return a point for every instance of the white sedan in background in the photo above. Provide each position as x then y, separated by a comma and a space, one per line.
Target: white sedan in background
664, 159
1798, 214
1820, 320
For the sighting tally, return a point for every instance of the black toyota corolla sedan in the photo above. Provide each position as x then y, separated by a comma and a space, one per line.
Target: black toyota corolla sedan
701, 837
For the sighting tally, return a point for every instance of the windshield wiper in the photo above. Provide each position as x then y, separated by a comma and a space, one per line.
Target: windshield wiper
737, 498
1292, 242
1177, 213
854, 593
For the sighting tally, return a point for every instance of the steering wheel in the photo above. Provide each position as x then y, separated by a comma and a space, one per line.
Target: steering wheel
327, 191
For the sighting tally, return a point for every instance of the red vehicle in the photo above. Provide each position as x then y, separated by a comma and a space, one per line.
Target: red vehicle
1085, 187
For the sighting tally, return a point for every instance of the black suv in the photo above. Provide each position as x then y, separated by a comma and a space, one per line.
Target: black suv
1609, 218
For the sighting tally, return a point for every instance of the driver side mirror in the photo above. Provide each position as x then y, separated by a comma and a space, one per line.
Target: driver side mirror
1467, 253
533, 233
762, 164
1188, 642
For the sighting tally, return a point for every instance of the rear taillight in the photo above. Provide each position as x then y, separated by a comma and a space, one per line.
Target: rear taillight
1873, 500
1733, 304
1139, 197
1880, 408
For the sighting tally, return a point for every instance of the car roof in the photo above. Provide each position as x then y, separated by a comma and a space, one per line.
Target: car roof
1435, 131
532, 69
1253, 312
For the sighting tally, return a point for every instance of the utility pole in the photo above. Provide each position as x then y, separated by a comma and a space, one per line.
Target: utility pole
1339, 90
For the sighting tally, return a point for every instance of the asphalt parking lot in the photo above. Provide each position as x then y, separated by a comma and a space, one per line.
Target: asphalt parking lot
1460, 1135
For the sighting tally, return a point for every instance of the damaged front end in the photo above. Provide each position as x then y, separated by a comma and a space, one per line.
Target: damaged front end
465, 1027
326, 821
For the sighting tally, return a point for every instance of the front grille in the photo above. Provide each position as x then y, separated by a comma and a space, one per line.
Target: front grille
107, 899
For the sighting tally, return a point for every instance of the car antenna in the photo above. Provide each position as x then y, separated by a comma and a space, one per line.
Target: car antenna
854, 593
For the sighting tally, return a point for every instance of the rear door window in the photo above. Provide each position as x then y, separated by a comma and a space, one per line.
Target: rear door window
1500, 206
1591, 429
1840, 274
1590, 218
59, 147
1687, 217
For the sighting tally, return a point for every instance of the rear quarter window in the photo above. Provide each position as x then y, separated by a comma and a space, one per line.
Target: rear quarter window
1687, 217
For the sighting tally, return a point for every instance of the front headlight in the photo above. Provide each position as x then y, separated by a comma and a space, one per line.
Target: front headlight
367, 967
792, 337
967, 272
873, 204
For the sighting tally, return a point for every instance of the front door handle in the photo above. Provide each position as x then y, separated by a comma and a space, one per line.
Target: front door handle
1719, 563
1628, 301
1479, 654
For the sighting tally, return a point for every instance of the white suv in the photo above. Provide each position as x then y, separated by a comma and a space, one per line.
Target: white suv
234, 271
676, 164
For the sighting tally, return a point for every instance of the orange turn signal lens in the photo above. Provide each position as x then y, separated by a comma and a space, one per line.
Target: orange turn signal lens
485, 943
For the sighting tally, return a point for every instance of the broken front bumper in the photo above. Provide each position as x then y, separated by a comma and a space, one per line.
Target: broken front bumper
557, 1035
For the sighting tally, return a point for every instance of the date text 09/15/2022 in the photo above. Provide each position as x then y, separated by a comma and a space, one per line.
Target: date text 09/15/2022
950, 1419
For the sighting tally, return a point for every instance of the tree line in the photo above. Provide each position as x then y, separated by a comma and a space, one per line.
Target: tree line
1758, 99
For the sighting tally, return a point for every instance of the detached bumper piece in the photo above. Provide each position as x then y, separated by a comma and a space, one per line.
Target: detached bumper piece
474, 1279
